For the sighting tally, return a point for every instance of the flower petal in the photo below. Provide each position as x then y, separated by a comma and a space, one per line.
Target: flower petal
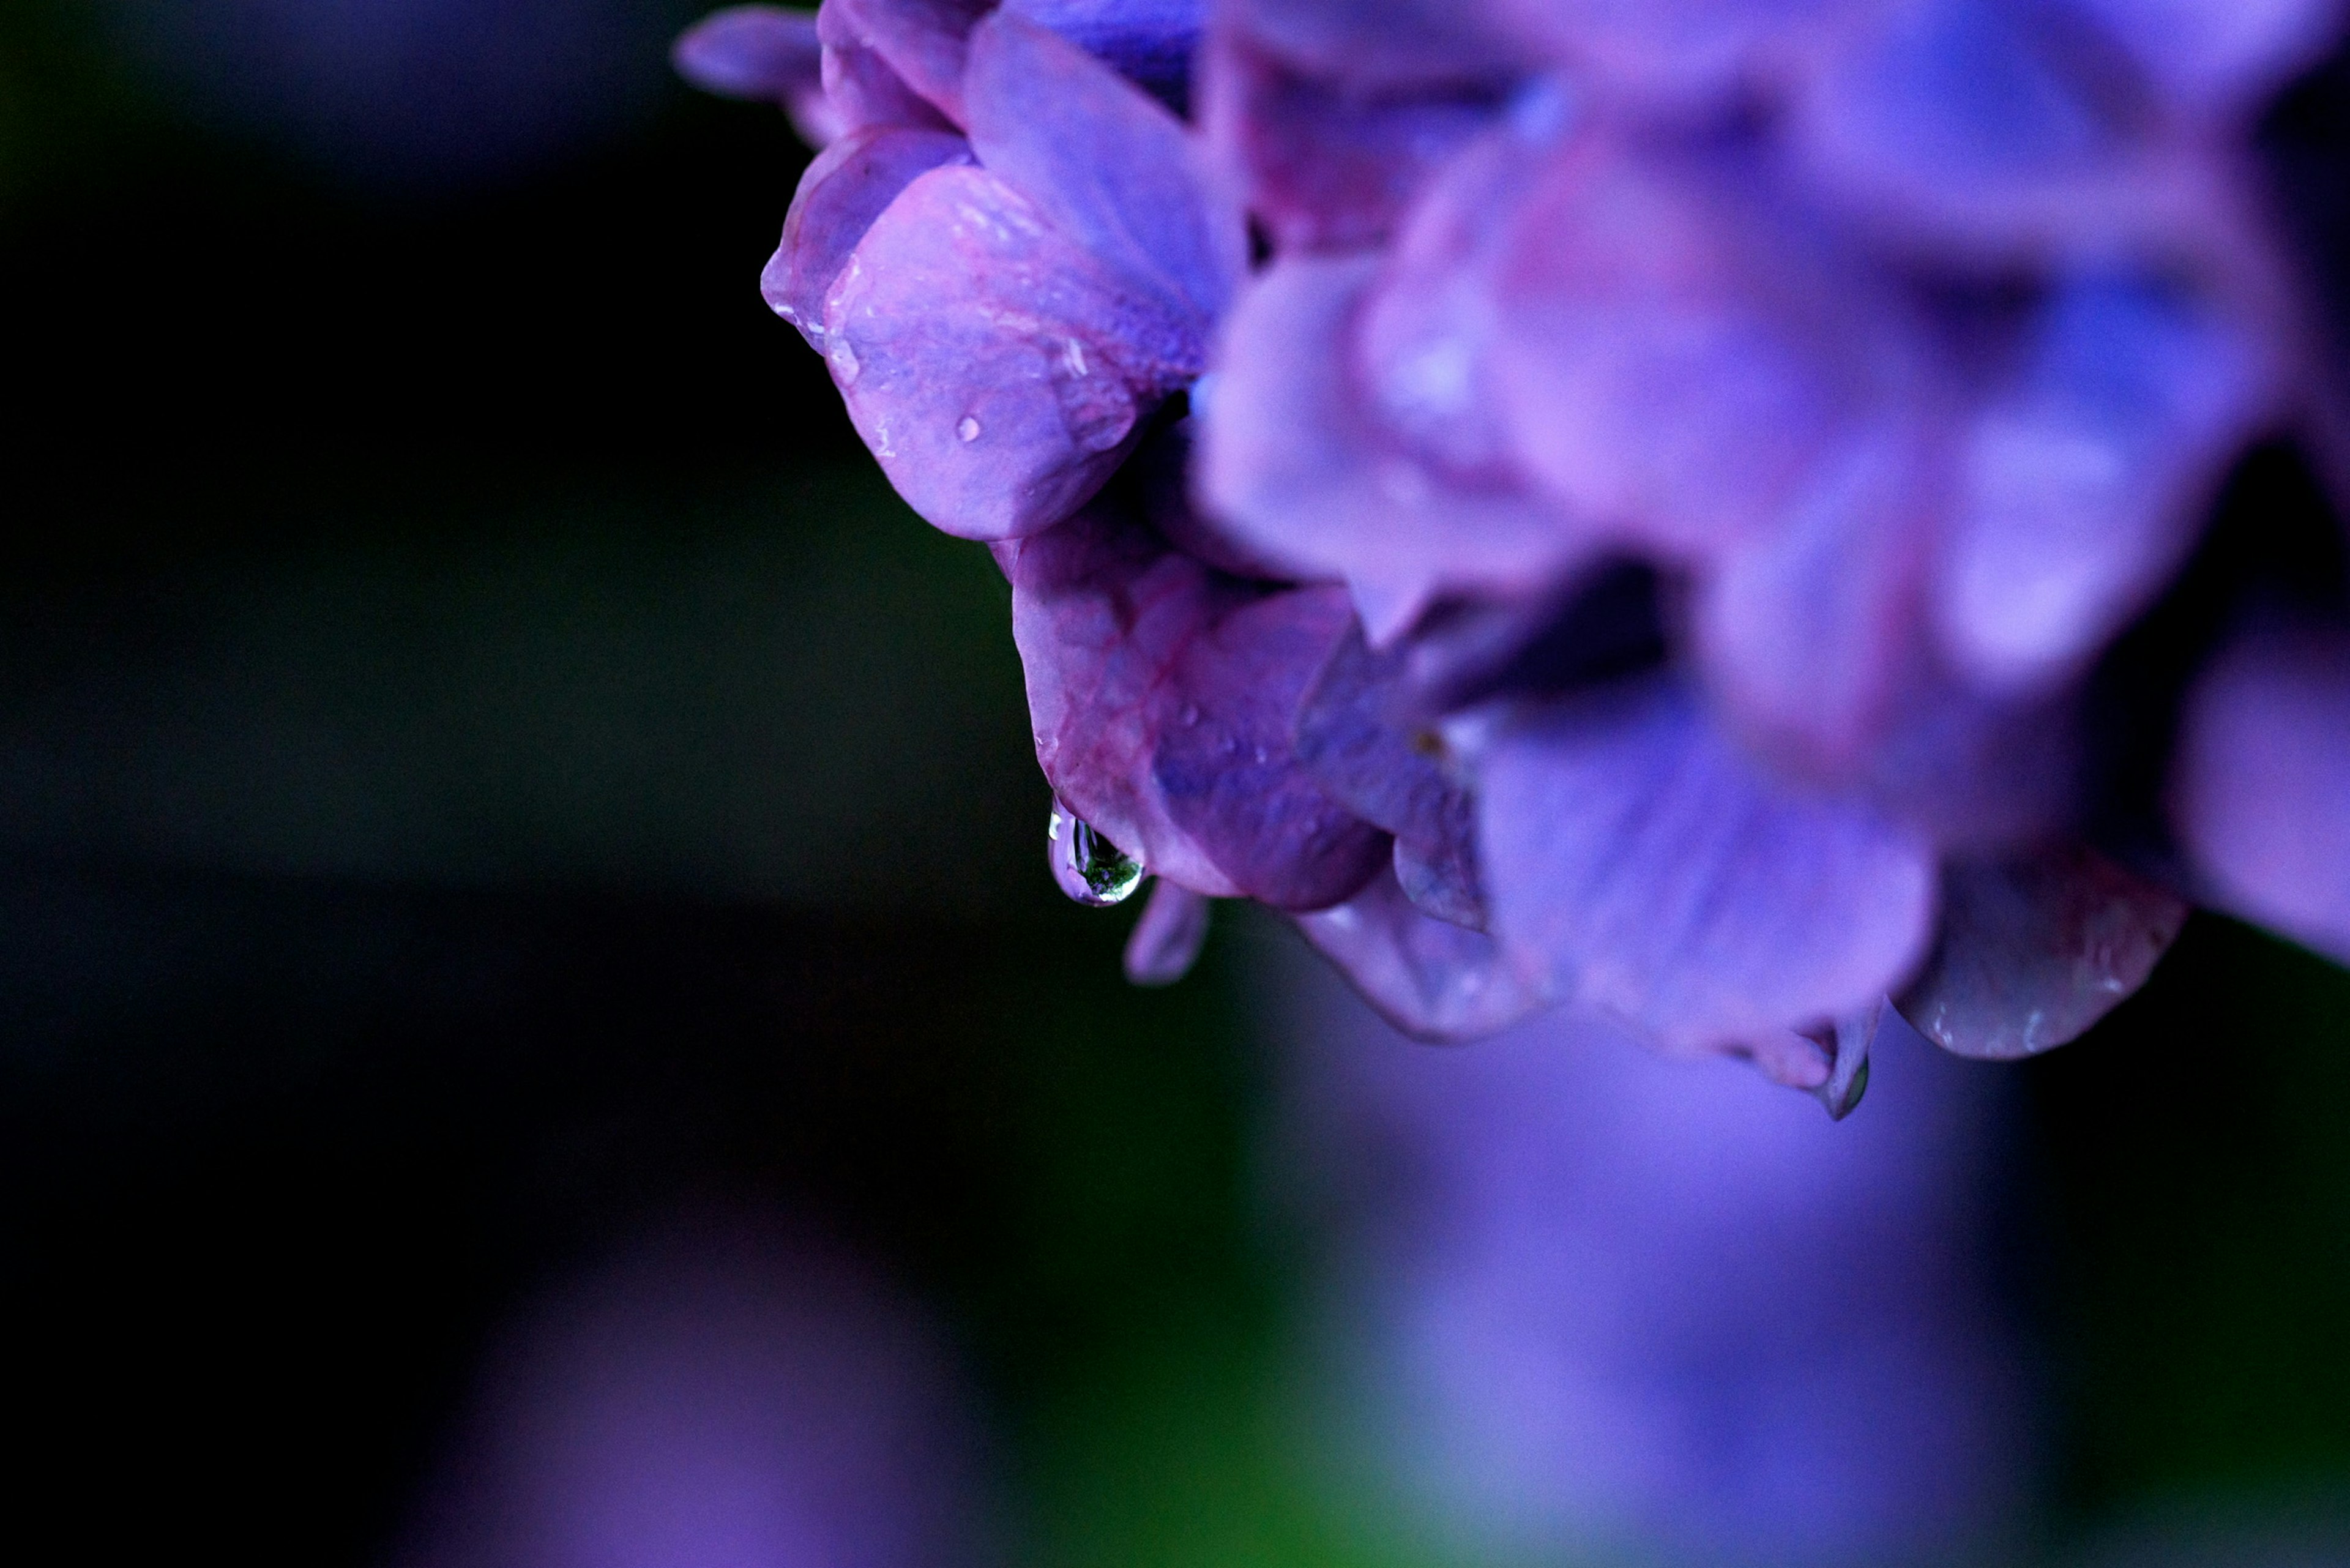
1149, 42
2085, 486
1432, 980
995, 369
922, 41
1677, 360
1626, 842
763, 52
2262, 784
1166, 940
1351, 736
1162, 696
849, 184
2219, 54
2033, 952
1228, 771
1323, 165
1289, 461
1112, 169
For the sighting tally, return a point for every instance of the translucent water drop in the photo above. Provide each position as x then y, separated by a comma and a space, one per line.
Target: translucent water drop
1089, 867
967, 431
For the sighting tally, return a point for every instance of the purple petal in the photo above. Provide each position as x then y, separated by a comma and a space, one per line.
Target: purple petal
2084, 484
2033, 952
1672, 50
850, 183
2219, 54
923, 41
2261, 784
1352, 736
1111, 169
1325, 166
995, 370
1965, 124
1290, 463
1227, 766
1678, 362
1162, 697
1166, 940
863, 90
1381, 43
1432, 980
762, 52
1625, 841
1807, 629
1149, 42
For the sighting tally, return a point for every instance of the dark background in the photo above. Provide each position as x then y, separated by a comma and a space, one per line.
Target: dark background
483, 762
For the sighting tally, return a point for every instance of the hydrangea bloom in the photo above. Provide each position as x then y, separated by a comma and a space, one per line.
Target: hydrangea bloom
1681, 510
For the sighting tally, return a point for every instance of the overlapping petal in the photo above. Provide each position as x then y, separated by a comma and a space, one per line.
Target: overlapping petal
1163, 697
2034, 950
1670, 881
1431, 979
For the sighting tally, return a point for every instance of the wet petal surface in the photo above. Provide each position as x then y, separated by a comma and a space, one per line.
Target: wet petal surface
1432, 980
2033, 952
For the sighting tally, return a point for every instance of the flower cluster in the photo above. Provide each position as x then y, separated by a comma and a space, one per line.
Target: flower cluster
1699, 510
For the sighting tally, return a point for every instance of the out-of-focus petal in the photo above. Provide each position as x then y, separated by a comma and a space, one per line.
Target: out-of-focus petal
1671, 883
849, 184
1675, 52
923, 41
1108, 166
2084, 486
2218, 55
2035, 950
1677, 362
862, 89
1149, 42
1382, 43
1294, 468
1972, 123
2261, 784
1806, 630
1353, 737
751, 51
1162, 697
995, 369
1432, 980
1166, 943
1323, 165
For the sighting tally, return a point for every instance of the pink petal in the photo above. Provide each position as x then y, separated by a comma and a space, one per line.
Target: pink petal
1625, 842
1106, 165
2261, 785
2033, 952
1431, 979
850, 183
994, 368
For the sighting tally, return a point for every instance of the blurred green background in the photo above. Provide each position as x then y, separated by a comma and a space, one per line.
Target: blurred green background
484, 760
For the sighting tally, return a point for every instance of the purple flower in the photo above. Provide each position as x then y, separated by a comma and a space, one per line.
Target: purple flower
1656, 524
1581, 1305
724, 1398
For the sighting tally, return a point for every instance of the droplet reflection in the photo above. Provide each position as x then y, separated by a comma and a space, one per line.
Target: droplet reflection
1089, 867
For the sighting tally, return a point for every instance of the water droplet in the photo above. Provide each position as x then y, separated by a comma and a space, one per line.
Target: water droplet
967, 431
1089, 867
